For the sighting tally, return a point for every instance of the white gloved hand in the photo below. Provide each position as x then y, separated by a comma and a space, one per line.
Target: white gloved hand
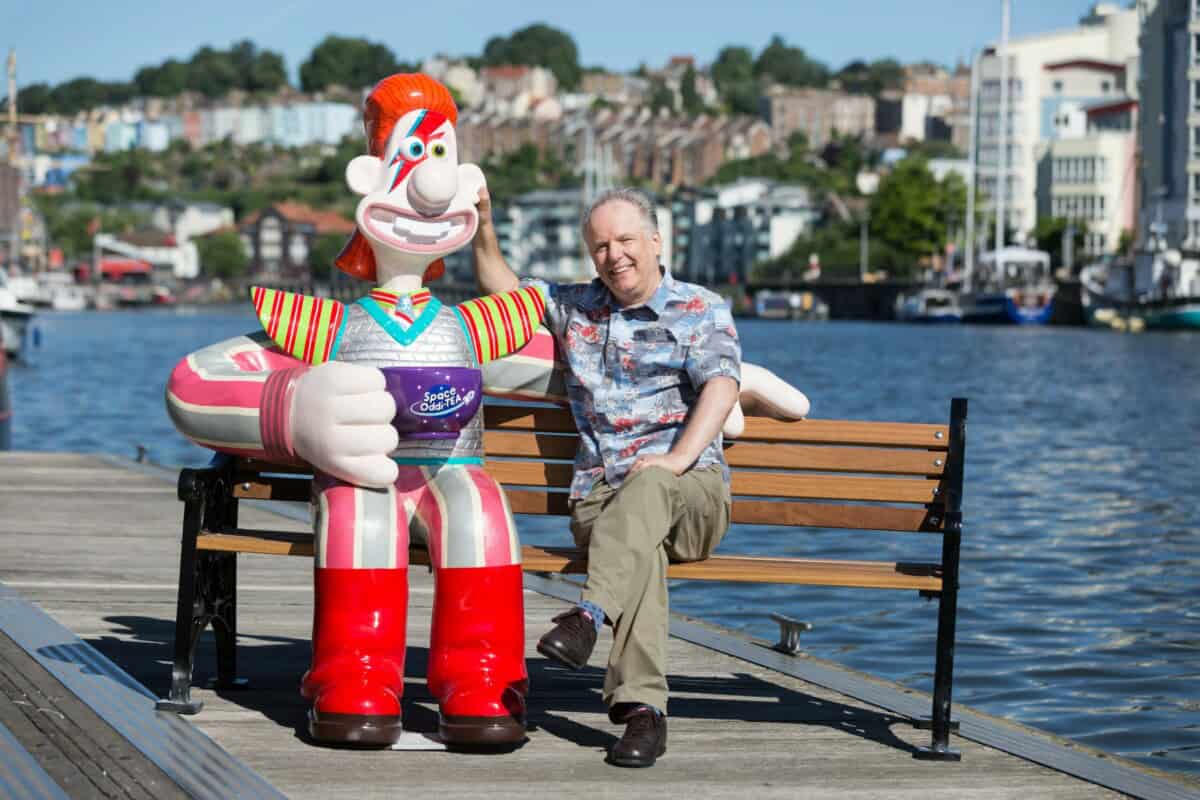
764, 394
341, 418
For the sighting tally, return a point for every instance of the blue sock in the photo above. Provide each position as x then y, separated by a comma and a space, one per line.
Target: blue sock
595, 612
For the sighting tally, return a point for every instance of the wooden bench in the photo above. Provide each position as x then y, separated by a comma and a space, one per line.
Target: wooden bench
873, 476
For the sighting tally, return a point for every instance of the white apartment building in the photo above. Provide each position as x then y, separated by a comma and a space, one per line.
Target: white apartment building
1088, 160
721, 232
1106, 41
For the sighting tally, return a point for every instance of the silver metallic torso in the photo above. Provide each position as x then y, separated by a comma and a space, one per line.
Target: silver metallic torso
442, 344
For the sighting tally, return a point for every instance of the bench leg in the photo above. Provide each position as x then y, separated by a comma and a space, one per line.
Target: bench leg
189, 619
943, 674
221, 598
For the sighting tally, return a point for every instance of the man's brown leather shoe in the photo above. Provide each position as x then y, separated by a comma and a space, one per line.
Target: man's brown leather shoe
644, 740
570, 643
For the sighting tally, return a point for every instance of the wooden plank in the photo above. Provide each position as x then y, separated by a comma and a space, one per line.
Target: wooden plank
850, 432
756, 484
526, 501
570, 560
825, 515
531, 473
882, 461
773, 512
524, 418
530, 445
811, 431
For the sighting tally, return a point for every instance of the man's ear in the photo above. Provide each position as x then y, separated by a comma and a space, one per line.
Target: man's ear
363, 174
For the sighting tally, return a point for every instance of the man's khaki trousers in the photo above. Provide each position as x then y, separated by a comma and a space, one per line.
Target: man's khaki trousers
630, 534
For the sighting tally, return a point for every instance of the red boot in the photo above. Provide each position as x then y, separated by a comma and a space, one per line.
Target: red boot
477, 655
357, 675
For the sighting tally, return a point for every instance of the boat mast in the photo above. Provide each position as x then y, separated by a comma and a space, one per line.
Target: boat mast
1002, 166
13, 143
972, 159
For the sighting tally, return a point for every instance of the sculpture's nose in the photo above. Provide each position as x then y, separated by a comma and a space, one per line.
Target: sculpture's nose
432, 186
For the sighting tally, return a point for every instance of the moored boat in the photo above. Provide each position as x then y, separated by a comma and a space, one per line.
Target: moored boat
929, 305
1011, 286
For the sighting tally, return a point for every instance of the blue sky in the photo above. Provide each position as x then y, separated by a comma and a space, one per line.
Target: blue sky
57, 41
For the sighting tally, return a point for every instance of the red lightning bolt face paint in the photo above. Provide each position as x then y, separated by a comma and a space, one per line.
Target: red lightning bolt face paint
414, 147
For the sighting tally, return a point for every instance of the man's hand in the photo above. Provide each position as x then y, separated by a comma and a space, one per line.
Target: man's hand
492, 272
341, 418
670, 462
484, 207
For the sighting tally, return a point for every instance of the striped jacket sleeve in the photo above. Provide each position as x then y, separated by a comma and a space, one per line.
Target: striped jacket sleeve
235, 397
501, 324
304, 327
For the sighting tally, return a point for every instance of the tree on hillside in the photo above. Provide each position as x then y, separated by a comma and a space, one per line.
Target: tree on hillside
222, 255
733, 74
33, 99
212, 73
692, 104
859, 77
661, 96
344, 61
789, 65
261, 70
165, 80
540, 46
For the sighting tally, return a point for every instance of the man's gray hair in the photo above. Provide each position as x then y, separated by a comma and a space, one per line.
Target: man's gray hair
635, 197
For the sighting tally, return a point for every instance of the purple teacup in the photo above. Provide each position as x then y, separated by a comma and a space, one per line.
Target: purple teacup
433, 402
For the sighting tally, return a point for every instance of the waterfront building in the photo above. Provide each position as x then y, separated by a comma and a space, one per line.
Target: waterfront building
1169, 87
1048, 74
280, 237
720, 232
1088, 172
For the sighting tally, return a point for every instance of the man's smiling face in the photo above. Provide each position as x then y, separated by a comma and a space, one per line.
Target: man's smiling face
624, 251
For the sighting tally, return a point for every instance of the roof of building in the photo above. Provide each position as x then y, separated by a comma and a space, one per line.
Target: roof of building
1087, 63
298, 213
1111, 107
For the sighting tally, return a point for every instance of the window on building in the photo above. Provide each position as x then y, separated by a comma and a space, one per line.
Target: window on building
1105, 87
1058, 87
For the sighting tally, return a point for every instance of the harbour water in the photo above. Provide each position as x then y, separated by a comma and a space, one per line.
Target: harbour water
1082, 531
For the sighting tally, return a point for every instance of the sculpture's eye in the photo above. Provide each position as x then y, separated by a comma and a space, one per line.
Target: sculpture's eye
412, 148
438, 150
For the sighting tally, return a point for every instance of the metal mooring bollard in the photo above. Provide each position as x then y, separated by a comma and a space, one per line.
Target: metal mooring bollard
789, 634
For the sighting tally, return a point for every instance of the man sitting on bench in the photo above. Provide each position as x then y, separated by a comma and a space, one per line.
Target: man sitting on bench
654, 366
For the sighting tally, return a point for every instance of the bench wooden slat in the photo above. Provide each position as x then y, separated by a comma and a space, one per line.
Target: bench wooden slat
877, 460
811, 431
523, 418
883, 461
745, 511
569, 560
849, 432
529, 445
757, 484
826, 515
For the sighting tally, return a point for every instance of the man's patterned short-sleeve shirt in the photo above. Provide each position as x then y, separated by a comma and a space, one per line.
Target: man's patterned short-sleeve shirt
634, 373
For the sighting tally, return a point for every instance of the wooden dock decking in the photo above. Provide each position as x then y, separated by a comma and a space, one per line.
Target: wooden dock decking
96, 546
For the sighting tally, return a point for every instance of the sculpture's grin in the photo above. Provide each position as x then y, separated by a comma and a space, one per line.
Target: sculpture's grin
407, 231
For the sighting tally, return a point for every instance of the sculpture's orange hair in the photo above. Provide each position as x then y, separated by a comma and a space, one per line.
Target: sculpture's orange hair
391, 99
